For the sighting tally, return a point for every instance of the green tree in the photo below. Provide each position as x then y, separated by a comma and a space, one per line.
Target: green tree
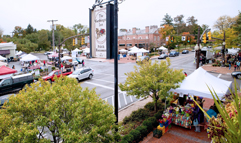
237, 28
179, 25
81, 29
167, 20
70, 113
30, 29
157, 78
19, 30
224, 22
33, 37
43, 42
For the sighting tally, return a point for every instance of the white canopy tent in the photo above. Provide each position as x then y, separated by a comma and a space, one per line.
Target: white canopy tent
2, 58
144, 50
19, 53
86, 50
134, 48
29, 57
162, 48
233, 51
77, 50
198, 82
134, 51
123, 51
23, 55
3, 64
66, 58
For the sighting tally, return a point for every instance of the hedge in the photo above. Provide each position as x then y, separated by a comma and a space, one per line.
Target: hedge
136, 135
129, 138
148, 124
158, 115
143, 130
151, 105
153, 121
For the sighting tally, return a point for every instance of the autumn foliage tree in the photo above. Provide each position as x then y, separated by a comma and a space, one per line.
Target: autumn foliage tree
65, 110
165, 31
157, 78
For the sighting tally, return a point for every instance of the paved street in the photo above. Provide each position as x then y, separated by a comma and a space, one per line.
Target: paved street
103, 80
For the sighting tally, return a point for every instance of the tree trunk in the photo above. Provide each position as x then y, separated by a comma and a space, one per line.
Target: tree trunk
155, 107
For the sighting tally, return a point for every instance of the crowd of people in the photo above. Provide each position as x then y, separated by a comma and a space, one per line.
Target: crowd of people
235, 61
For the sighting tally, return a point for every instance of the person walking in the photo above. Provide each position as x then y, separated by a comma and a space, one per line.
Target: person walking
238, 65
235, 65
229, 64
74, 67
61, 67
44, 62
13, 67
83, 63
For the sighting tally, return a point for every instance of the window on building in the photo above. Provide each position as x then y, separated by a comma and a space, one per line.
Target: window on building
121, 45
146, 37
154, 38
128, 45
158, 38
140, 38
128, 38
133, 37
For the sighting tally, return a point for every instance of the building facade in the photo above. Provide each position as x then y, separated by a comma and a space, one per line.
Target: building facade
8, 49
140, 38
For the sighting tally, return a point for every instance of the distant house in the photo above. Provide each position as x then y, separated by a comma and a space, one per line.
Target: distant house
8, 49
139, 38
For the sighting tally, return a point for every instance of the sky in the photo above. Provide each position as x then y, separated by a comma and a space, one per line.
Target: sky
132, 13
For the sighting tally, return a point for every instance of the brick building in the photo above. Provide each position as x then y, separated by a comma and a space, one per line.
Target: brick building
139, 38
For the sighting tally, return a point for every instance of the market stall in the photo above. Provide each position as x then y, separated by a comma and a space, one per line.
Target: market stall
6, 70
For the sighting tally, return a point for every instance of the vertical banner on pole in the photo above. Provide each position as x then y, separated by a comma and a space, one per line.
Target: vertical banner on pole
102, 26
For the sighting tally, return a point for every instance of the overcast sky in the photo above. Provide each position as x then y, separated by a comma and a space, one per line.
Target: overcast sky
132, 13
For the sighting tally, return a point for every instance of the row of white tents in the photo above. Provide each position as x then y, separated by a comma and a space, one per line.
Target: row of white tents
134, 50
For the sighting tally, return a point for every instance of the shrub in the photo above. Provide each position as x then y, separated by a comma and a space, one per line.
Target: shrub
123, 141
136, 135
143, 130
129, 138
148, 124
153, 121
139, 114
40, 70
126, 120
158, 115
53, 68
214, 65
226, 65
46, 70
150, 105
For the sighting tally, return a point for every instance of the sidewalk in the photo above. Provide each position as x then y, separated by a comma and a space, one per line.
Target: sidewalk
220, 70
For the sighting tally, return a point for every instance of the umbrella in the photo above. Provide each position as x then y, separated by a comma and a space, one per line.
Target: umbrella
29, 57
2, 58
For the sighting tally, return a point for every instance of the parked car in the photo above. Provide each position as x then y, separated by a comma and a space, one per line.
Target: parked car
12, 83
58, 73
173, 54
82, 73
163, 56
3, 99
141, 59
185, 52
67, 64
48, 53
236, 74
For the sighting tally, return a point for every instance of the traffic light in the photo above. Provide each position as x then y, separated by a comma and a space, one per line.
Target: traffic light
188, 39
82, 41
204, 38
172, 39
73, 42
209, 35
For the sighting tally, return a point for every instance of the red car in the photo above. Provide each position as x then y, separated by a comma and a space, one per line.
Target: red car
57, 73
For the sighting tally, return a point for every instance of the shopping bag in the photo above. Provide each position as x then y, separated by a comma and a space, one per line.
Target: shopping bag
195, 122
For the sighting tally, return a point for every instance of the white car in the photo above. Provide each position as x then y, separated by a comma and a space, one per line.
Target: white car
75, 62
48, 53
82, 73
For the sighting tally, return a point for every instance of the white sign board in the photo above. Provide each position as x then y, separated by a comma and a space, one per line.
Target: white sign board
183, 38
167, 38
87, 39
74, 54
100, 32
37, 72
76, 41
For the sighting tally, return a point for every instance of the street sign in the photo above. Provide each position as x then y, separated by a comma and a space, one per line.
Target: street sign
167, 38
183, 38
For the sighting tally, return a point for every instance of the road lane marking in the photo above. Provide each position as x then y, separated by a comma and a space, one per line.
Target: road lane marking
103, 86
102, 80
219, 75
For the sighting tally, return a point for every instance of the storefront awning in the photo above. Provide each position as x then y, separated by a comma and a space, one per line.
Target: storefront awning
4, 52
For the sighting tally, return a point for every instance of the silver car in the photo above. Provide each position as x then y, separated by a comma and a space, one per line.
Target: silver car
82, 73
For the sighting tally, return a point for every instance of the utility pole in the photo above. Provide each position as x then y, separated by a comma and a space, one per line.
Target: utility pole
116, 57
53, 32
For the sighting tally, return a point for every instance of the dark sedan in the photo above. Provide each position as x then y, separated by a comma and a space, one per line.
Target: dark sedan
185, 52
162, 56
173, 54
236, 74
